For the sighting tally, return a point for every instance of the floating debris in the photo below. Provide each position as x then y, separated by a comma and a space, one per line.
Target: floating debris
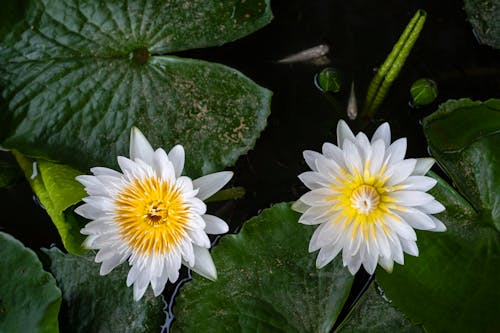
328, 80
423, 92
352, 105
315, 55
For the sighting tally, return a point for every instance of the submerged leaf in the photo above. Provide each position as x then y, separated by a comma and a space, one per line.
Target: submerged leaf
29, 297
79, 74
267, 282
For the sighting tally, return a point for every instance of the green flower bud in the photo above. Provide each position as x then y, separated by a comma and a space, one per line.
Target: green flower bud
328, 80
423, 92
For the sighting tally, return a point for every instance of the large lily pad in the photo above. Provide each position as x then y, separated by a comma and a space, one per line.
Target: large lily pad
94, 303
452, 286
79, 74
267, 282
57, 190
29, 297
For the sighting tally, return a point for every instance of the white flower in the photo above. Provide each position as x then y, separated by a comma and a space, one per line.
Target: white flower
151, 215
366, 199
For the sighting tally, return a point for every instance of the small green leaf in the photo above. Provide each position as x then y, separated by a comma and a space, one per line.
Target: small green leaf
329, 80
56, 188
29, 297
374, 314
464, 137
484, 15
79, 74
267, 282
423, 92
94, 303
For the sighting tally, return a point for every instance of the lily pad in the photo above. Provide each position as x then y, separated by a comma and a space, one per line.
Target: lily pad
464, 137
452, 286
94, 303
375, 314
79, 74
267, 282
484, 15
29, 297
57, 190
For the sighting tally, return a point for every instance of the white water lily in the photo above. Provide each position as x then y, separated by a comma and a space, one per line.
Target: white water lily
367, 200
151, 215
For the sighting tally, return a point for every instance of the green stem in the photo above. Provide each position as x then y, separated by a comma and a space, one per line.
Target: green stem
387, 73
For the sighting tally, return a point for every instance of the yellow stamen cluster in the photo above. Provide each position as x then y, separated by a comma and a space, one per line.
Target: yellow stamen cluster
152, 215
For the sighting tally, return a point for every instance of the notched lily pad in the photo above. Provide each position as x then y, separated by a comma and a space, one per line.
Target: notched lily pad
29, 297
79, 74
267, 282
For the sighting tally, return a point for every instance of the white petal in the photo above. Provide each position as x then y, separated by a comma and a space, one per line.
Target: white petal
109, 264
129, 168
204, 264
411, 198
352, 157
310, 157
432, 207
100, 204
354, 264
401, 228
158, 284
400, 171
177, 156
387, 263
300, 206
377, 156
88, 211
383, 133
364, 146
140, 146
163, 166
423, 166
333, 152
313, 179
184, 184
327, 254
199, 237
318, 197
343, 133
440, 227
210, 184
215, 225
317, 215
101, 171
397, 151
410, 247
140, 288
417, 219
370, 261
419, 183
133, 274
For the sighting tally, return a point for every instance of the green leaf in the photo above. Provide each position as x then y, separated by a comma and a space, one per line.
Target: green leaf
464, 137
12, 12
484, 15
29, 297
57, 190
94, 303
374, 314
452, 286
267, 282
10, 174
79, 74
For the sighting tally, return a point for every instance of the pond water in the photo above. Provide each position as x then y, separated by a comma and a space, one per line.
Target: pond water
359, 34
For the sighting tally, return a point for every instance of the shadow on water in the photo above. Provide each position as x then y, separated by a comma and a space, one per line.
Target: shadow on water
359, 34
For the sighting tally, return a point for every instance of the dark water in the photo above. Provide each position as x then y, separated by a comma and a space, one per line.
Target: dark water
360, 34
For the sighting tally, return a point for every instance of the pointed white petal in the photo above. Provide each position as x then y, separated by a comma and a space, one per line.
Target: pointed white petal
397, 151
401, 228
318, 197
419, 183
377, 156
409, 247
88, 211
300, 206
210, 184
440, 227
177, 156
140, 146
417, 219
352, 157
383, 133
400, 171
101, 171
333, 152
310, 157
204, 264
387, 263
327, 254
423, 166
317, 215
411, 198
343, 133
432, 207
215, 225
313, 179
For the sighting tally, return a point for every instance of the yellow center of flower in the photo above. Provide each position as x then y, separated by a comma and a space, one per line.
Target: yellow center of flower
152, 215
363, 201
